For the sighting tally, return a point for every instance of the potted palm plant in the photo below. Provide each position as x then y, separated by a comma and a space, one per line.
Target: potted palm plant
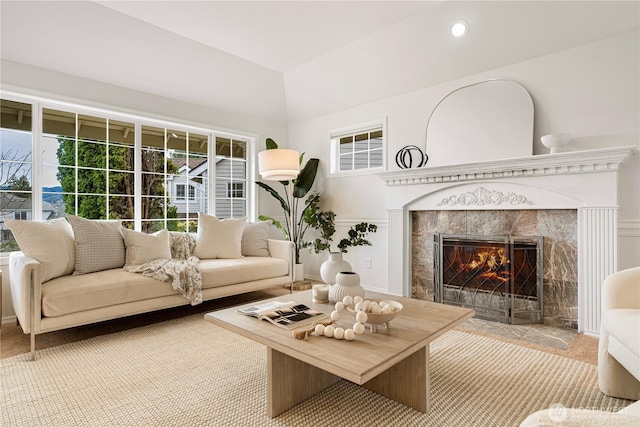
294, 191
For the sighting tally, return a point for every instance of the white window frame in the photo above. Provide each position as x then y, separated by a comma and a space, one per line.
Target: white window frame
39, 101
189, 192
231, 191
334, 151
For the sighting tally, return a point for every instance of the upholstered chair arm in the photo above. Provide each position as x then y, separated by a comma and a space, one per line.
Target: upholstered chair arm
21, 271
622, 290
281, 249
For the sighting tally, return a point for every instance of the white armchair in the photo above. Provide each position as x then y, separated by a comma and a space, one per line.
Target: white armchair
619, 346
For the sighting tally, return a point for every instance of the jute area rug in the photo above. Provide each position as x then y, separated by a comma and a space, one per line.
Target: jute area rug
188, 372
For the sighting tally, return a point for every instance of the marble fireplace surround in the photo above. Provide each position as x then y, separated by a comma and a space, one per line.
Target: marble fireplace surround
583, 180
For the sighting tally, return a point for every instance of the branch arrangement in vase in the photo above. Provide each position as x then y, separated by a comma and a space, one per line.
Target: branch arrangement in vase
324, 222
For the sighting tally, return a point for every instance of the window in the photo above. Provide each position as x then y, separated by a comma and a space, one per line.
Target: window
99, 164
231, 176
87, 166
359, 149
16, 193
181, 192
235, 190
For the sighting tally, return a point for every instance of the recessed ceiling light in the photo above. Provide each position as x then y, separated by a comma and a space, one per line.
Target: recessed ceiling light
459, 28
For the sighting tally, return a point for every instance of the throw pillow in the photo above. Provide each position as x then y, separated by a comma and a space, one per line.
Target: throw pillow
142, 247
99, 244
48, 242
219, 238
255, 238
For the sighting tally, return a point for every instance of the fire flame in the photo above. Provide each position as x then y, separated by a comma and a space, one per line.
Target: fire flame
493, 262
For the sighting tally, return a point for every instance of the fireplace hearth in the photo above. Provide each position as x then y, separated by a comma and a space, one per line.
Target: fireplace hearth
500, 277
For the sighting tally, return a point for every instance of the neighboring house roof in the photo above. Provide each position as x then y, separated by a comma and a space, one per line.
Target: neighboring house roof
193, 163
16, 203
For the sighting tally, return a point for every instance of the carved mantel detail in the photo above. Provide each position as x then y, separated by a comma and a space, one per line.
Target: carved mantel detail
483, 197
573, 162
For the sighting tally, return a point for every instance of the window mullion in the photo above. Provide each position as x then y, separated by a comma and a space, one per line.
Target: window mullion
36, 161
137, 180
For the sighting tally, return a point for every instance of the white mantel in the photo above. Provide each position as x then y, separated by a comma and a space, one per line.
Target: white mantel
582, 180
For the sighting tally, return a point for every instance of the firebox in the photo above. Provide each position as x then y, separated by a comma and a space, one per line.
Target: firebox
500, 277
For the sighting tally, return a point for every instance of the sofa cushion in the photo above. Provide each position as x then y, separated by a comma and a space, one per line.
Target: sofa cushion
623, 324
72, 294
221, 272
99, 244
142, 247
48, 242
219, 238
255, 237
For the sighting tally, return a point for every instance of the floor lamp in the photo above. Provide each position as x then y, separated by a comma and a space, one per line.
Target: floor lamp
280, 164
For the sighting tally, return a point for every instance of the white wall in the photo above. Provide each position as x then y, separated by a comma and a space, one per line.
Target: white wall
38, 81
591, 91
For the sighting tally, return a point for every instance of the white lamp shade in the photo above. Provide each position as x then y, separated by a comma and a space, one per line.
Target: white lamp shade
278, 164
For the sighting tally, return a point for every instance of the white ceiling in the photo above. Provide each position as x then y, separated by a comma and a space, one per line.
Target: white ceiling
290, 61
279, 35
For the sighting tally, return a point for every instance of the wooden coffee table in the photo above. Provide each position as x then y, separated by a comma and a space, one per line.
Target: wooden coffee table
393, 362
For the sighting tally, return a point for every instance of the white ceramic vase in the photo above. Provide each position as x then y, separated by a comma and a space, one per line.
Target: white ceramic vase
331, 267
347, 283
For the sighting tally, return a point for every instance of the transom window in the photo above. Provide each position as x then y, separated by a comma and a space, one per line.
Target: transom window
359, 149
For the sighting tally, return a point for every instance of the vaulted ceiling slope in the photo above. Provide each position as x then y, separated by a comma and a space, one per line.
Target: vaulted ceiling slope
291, 61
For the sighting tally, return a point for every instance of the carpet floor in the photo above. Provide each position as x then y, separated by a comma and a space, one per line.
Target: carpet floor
188, 372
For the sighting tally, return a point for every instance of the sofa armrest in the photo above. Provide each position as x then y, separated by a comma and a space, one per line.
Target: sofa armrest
621, 290
22, 270
281, 249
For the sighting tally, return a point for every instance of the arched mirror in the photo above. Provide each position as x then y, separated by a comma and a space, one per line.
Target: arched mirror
481, 122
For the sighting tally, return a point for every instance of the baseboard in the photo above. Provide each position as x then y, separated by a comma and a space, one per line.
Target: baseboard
629, 228
9, 319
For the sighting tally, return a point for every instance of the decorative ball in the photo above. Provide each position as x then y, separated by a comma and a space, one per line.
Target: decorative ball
357, 299
367, 305
375, 309
358, 328
339, 306
387, 310
319, 330
328, 331
335, 316
338, 333
361, 316
349, 334
347, 300
360, 307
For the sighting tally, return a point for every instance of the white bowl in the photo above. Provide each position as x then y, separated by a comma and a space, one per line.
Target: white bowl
374, 319
555, 141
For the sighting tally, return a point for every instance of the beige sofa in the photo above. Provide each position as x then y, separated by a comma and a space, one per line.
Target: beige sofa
69, 300
619, 346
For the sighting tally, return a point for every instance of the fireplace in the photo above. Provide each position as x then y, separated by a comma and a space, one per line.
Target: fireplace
584, 181
500, 277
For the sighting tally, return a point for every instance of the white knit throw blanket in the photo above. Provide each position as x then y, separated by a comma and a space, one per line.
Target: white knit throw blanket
181, 270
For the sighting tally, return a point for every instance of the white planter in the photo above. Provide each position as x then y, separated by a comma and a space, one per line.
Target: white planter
347, 283
298, 272
331, 267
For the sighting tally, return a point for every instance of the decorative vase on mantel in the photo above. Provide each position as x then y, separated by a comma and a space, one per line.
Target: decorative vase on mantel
347, 283
331, 267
